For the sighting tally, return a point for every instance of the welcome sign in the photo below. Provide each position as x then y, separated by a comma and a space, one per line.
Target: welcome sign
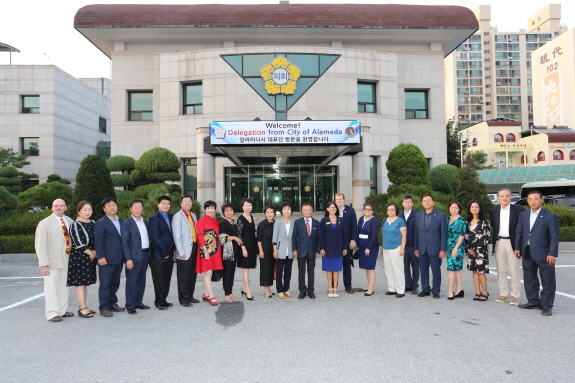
285, 132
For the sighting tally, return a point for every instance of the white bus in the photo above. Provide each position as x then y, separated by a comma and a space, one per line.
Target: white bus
560, 187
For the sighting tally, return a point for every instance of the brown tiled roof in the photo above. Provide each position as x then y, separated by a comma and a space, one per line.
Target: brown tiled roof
503, 123
561, 137
389, 16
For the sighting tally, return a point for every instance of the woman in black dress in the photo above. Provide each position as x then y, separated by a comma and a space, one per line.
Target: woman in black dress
247, 234
231, 251
267, 260
82, 264
478, 258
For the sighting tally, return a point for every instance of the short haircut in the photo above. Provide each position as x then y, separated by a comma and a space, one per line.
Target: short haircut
481, 214
284, 204
225, 206
164, 198
247, 200
339, 195
270, 207
394, 206
328, 205
209, 203
82, 204
502, 189
456, 202
186, 196
108, 200
408, 196
535, 192
307, 204
427, 195
136, 201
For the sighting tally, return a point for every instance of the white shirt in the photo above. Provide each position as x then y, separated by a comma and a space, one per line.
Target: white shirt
143, 233
504, 215
407, 214
60, 221
533, 217
287, 231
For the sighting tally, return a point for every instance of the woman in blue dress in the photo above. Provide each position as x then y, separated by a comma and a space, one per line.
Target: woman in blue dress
456, 230
332, 240
368, 243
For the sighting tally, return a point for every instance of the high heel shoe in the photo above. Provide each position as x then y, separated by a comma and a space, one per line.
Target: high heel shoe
213, 301
205, 298
451, 298
249, 299
460, 294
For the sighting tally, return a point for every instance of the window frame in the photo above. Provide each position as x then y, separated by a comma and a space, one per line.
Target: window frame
104, 128
541, 156
30, 110
572, 155
29, 152
562, 155
496, 136
361, 104
507, 137
185, 104
415, 111
130, 111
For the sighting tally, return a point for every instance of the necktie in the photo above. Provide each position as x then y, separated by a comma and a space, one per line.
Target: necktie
66, 236
168, 222
307, 227
192, 226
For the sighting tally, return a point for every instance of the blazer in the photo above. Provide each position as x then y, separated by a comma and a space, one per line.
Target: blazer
108, 241
132, 240
434, 238
283, 239
495, 213
544, 235
50, 242
330, 243
306, 246
373, 226
410, 224
182, 234
349, 225
162, 242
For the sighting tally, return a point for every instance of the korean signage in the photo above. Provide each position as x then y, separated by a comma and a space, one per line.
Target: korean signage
284, 132
552, 87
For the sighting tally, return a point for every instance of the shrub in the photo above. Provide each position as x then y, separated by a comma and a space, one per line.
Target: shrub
565, 216
407, 171
444, 178
470, 189
155, 166
19, 244
567, 234
40, 197
93, 183
124, 195
8, 202
121, 164
9, 179
22, 224
121, 180
56, 178
142, 192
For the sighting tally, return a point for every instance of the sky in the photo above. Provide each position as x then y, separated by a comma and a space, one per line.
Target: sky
44, 31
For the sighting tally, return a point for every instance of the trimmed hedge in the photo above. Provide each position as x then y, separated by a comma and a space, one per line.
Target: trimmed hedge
18, 244
21, 224
567, 234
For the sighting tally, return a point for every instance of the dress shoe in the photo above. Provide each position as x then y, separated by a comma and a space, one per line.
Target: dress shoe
192, 300
57, 318
186, 304
301, 296
115, 308
168, 304
400, 295
311, 295
390, 292
436, 296
143, 307
530, 306
132, 311
546, 311
415, 291
162, 307
423, 294
106, 313
349, 290
450, 298
459, 294
288, 294
373, 292
408, 289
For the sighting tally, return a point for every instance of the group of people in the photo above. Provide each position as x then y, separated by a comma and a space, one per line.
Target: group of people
78, 253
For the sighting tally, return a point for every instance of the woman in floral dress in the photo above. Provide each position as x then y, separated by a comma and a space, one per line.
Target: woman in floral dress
456, 230
477, 241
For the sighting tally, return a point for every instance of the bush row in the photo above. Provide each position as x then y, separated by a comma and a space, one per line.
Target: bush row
18, 244
21, 224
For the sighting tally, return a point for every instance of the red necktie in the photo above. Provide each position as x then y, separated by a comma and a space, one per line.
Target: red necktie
307, 227
66, 236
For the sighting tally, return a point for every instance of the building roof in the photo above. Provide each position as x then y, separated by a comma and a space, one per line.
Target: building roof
503, 123
526, 174
561, 137
275, 15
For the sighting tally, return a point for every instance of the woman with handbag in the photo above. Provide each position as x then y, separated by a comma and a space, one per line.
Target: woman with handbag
332, 244
368, 243
394, 237
231, 249
266, 250
209, 256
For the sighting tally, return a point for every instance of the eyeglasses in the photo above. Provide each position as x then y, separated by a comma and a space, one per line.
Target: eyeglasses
365, 208
332, 207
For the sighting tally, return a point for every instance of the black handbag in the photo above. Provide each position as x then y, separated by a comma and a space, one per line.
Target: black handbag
217, 275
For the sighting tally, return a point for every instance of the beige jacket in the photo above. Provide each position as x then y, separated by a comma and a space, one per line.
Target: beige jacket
50, 243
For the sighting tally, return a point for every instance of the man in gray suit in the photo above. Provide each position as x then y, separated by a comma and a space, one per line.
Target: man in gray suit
537, 235
52, 243
185, 234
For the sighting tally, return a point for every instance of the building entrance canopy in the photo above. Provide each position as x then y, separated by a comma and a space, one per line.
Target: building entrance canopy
284, 142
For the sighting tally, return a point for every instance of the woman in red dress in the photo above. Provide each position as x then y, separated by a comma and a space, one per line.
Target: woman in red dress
209, 255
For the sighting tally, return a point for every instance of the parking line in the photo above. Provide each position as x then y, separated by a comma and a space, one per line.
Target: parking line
21, 277
556, 292
22, 302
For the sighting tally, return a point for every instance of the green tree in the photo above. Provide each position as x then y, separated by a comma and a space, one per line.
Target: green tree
443, 178
10, 180
10, 158
453, 143
471, 188
56, 178
93, 183
407, 171
121, 167
40, 197
157, 165
8, 202
475, 160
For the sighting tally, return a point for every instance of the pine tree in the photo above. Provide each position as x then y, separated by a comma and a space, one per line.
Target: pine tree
93, 183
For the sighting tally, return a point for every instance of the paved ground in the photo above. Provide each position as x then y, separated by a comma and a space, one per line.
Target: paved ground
349, 339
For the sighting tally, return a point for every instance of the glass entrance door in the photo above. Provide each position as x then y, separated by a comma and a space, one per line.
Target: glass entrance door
282, 188
323, 191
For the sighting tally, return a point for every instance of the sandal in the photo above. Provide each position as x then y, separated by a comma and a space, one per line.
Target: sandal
476, 297
89, 315
483, 296
335, 295
229, 299
329, 293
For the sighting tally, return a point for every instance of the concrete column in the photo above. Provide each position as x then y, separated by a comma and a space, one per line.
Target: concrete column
360, 172
206, 168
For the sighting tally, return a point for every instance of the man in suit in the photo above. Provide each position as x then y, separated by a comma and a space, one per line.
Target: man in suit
136, 246
52, 243
504, 221
410, 261
542, 227
108, 243
305, 245
430, 245
350, 228
184, 232
162, 252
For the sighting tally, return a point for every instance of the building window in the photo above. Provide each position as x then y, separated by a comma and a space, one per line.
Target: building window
104, 149
193, 98
416, 104
498, 137
373, 175
541, 156
510, 137
366, 97
572, 155
558, 155
475, 142
141, 105
191, 176
102, 125
31, 104
31, 146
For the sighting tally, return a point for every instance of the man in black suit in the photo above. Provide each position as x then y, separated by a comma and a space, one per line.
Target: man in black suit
504, 221
537, 241
305, 245
350, 228
162, 252
108, 243
136, 246
410, 261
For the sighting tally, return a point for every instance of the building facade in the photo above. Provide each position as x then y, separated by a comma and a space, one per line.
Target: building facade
490, 75
183, 73
52, 117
